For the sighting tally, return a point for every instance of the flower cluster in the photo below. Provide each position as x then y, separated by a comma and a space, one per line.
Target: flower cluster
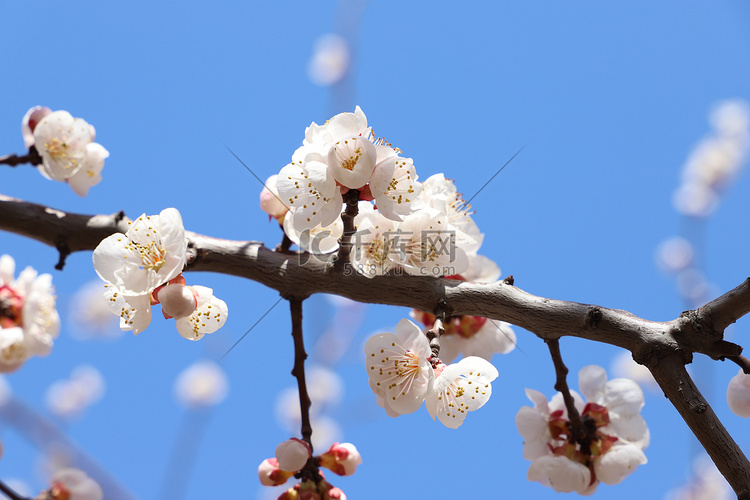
294, 455
402, 374
66, 146
143, 267
606, 447
413, 228
28, 319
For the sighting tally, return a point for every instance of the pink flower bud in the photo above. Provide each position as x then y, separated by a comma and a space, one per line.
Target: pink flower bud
270, 202
293, 454
342, 459
28, 124
270, 474
177, 301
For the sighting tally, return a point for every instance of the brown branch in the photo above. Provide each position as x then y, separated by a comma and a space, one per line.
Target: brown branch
677, 385
662, 346
32, 158
299, 369
351, 198
10, 493
561, 383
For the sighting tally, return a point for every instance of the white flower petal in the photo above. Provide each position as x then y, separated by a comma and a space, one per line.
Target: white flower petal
618, 462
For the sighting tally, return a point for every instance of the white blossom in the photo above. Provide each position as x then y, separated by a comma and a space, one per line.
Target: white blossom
568, 463
149, 254
425, 245
398, 367
439, 193
66, 147
28, 319
310, 192
460, 388
394, 185
316, 240
209, 315
373, 242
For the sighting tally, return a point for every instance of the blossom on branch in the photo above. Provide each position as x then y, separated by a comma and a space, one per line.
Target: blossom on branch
143, 267
28, 319
605, 445
66, 147
398, 368
460, 388
293, 454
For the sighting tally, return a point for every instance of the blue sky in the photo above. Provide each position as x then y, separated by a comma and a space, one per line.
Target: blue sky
606, 98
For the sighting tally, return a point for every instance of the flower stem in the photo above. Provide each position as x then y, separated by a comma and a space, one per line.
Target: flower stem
299, 368
31, 157
561, 383
351, 198
10, 493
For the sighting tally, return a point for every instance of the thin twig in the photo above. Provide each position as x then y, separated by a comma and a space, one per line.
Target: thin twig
438, 330
32, 157
10, 493
561, 384
742, 362
299, 369
351, 198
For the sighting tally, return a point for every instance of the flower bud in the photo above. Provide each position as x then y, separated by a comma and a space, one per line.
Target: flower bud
270, 202
341, 458
738, 394
270, 474
293, 454
177, 301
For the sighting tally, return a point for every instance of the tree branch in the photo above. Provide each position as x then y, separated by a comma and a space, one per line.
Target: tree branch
299, 369
677, 385
662, 346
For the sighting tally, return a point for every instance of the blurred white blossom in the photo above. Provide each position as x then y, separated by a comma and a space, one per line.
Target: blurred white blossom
72, 484
91, 314
330, 60
707, 483
715, 161
674, 254
69, 398
202, 384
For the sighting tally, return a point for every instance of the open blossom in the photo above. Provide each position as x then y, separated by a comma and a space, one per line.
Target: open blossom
398, 368
460, 388
28, 319
310, 192
72, 484
439, 193
608, 451
66, 147
150, 253
146, 262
